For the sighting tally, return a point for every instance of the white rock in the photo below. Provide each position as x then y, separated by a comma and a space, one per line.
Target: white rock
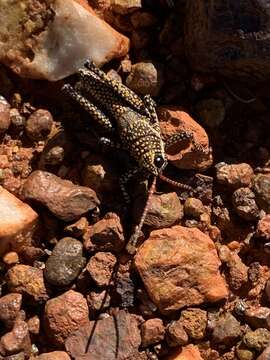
74, 35
17, 222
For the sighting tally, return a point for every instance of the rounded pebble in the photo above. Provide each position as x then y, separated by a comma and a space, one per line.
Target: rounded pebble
39, 125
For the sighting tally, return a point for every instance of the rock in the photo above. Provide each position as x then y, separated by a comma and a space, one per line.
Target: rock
124, 7
194, 322
211, 111
19, 356
34, 325
98, 300
227, 330
229, 39
244, 203
263, 227
194, 207
152, 332
65, 262
101, 267
105, 235
258, 339
179, 268
54, 156
183, 155
11, 258
64, 199
72, 24
10, 306
28, 281
261, 189
258, 317
235, 175
17, 222
123, 340
78, 228
16, 340
39, 125
189, 352
164, 210
17, 120
54, 355
4, 115
265, 354
125, 287
244, 353
176, 334
65, 314
267, 290
145, 78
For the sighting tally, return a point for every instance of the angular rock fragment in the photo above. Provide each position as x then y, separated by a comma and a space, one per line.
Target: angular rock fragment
64, 199
179, 268
17, 339
39, 38
54, 355
101, 267
10, 306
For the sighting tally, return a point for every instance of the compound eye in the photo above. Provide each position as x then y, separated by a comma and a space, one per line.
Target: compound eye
159, 161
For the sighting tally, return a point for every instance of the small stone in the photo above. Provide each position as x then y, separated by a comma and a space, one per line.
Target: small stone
234, 175
64, 199
263, 227
265, 354
258, 339
194, 322
11, 258
243, 353
183, 154
34, 325
10, 306
164, 211
39, 125
124, 7
194, 207
105, 235
54, 156
195, 278
28, 281
4, 115
17, 339
145, 78
125, 287
105, 339
54, 355
227, 330
176, 334
18, 356
258, 317
152, 332
17, 120
78, 228
65, 314
113, 75
140, 19
261, 189
211, 112
101, 267
98, 300
17, 222
65, 262
189, 352
244, 203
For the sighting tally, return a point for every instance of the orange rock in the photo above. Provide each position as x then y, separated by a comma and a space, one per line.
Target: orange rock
179, 268
189, 352
174, 119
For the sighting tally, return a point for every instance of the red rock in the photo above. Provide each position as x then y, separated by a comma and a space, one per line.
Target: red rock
54, 355
263, 228
98, 300
39, 124
16, 340
4, 115
265, 354
11, 258
108, 340
34, 325
226, 330
179, 268
105, 235
10, 306
194, 321
258, 317
175, 120
65, 314
17, 222
189, 352
27, 280
176, 334
64, 199
194, 207
235, 175
101, 267
152, 332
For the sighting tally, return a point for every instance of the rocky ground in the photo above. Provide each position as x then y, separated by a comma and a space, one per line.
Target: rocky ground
198, 285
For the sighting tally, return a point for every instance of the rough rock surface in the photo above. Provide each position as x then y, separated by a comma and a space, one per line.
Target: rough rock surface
17, 222
64, 199
152, 332
100, 267
262, 191
10, 306
16, 340
234, 175
54, 355
189, 352
64, 315
70, 23
179, 267
183, 155
122, 339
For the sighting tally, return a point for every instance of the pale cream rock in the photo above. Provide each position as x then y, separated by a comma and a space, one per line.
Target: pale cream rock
73, 35
17, 222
